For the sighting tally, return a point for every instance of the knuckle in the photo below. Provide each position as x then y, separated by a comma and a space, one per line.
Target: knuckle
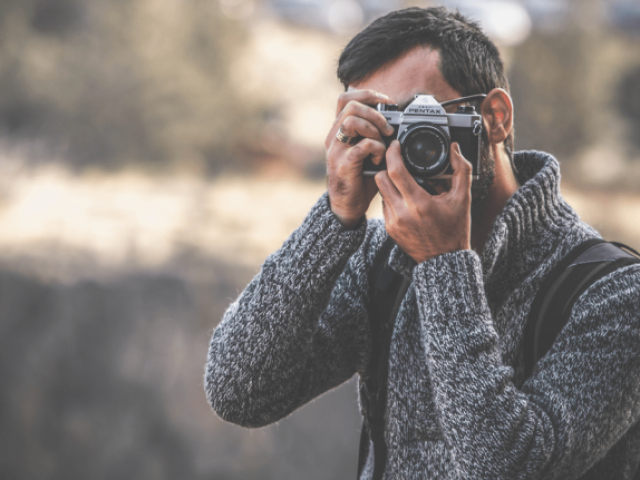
382, 187
379, 147
370, 130
422, 209
356, 153
381, 121
393, 170
465, 165
349, 123
366, 144
351, 106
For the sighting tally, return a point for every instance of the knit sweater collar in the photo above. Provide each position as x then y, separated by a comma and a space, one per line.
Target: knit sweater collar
535, 213
532, 215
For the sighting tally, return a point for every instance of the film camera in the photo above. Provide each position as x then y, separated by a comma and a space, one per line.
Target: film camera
425, 132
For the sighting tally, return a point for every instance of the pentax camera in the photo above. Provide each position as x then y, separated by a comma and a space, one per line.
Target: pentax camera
425, 132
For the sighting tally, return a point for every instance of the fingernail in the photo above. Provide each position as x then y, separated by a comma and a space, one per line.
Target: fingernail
382, 97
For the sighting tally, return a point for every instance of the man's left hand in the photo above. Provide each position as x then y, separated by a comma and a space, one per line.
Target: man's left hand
426, 226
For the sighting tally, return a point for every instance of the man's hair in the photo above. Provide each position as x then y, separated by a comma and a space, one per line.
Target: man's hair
469, 60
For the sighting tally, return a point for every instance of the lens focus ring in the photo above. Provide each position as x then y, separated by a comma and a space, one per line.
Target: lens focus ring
425, 149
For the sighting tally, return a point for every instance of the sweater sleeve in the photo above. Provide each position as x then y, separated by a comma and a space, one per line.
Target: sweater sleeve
583, 396
297, 330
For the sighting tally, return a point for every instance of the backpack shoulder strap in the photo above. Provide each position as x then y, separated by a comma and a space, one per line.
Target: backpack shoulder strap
387, 288
576, 272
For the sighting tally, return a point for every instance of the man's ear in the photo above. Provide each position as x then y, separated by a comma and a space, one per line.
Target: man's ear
497, 113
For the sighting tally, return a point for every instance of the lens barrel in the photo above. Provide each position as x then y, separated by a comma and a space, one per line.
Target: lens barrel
425, 149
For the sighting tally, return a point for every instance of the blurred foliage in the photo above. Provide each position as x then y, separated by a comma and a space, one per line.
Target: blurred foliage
575, 90
628, 103
158, 83
103, 380
548, 81
108, 83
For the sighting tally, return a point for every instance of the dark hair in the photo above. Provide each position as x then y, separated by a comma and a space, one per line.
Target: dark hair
469, 61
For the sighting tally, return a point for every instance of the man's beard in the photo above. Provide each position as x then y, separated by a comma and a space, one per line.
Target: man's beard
487, 173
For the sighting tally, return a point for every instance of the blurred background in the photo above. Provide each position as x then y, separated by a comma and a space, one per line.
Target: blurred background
153, 152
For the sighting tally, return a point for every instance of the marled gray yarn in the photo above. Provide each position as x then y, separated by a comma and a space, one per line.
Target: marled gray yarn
457, 406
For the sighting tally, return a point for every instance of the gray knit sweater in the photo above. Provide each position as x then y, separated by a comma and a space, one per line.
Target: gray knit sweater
457, 404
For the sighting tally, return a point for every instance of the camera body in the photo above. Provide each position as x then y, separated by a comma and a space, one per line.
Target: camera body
425, 132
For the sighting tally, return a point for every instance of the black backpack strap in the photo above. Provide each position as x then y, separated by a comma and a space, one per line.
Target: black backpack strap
387, 288
551, 308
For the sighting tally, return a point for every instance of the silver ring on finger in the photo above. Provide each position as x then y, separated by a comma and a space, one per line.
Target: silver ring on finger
344, 138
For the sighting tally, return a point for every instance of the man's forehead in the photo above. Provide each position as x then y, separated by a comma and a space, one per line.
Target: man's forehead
416, 72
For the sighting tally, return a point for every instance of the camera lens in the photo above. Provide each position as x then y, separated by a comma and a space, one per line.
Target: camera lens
425, 149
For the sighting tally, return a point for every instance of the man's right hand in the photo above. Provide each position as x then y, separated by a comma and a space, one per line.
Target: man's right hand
350, 193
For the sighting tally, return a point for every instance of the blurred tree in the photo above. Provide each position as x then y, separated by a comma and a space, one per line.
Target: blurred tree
114, 83
628, 103
56, 17
549, 85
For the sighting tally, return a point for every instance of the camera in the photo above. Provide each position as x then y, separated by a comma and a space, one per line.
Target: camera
425, 132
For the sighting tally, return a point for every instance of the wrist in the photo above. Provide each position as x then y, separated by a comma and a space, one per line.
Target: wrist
346, 222
349, 222
426, 255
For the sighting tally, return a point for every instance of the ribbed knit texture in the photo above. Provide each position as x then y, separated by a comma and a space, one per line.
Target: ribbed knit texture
458, 407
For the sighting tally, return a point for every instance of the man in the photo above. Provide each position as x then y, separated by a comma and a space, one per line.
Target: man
457, 403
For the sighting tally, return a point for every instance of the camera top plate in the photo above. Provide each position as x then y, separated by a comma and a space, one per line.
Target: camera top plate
425, 105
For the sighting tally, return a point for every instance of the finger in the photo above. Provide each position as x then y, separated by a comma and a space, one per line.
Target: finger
349, 163
399, 174
388, 191
359, 127
368, 97
365, 148
390, 200
369, 147
358, 109
359, 97
387, 213
462, 172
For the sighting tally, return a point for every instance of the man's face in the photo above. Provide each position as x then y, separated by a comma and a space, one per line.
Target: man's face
417, 72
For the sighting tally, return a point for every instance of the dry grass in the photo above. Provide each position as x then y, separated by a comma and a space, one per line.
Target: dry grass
128, 220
